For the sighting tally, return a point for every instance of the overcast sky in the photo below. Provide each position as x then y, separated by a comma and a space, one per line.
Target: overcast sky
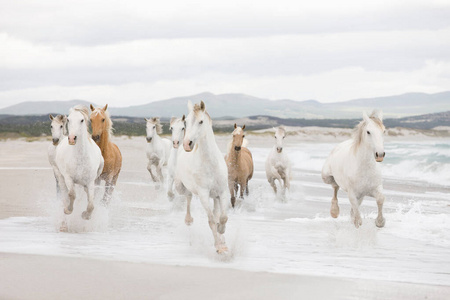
133, 52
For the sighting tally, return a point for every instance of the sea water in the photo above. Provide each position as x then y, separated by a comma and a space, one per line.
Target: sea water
265, 233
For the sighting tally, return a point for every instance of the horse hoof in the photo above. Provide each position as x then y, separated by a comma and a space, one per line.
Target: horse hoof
63, 227
170, 195
380, 222
222, 250
189, 221
358, 222
68, 211
334, 212
85, 215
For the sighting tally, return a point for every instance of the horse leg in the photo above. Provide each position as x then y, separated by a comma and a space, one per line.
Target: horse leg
273, 185
356, 216
243, 188
246, 188
71, 192
149, 168
109, 189
334, 211
223, 203
232, 188
170, 193
188, 219
218, 241
380, 221
90, 207
160, 176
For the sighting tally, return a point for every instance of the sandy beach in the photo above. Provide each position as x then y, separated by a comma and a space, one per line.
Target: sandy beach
140, 248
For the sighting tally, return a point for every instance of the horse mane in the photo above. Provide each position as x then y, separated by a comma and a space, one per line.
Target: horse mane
358, 132
83, 110
109, 123
62, 119
198, 108
157, 122
282, 129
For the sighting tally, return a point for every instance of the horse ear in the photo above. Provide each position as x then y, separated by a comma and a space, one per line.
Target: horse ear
190, 106
146, 120
243, 127
92, 107
202, 106
183, 118
51, 117
64, 118
105, 108
377, 114
365, 117
172, 120
235, 126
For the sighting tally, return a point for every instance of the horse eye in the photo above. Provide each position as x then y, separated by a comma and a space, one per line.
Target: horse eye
103, 120
243, 136
170, 128
51, 127
201, 122
182, 128
154, 126
61, 126
368, 132
82, 121
283, 137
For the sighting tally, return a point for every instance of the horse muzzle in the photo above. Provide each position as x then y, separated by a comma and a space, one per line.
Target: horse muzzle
149, 140
96, 138
279, 149
380, 156
237, 148
176, 144
55, 142
188, 146
72, 139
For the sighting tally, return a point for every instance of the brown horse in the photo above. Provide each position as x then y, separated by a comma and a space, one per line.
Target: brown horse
240, 164
101, 134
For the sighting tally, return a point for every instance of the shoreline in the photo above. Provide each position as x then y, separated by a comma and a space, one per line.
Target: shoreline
75, 278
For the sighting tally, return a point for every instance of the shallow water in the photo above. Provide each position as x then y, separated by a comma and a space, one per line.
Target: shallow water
263, 233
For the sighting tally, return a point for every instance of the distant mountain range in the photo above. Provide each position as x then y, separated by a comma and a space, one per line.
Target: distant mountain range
241, 105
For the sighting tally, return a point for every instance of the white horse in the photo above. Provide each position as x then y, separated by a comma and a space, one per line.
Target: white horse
278, 165
158, 150
79, 159
352, 166
177, 126
202, 171
59, 130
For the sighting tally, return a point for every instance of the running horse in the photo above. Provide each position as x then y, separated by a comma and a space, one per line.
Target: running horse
101, 134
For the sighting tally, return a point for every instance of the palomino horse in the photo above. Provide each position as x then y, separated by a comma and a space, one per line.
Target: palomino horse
177, 126
158, 150
59, 130
352, 166
79, 159
240, 164
278, 165
202, 171
101, 133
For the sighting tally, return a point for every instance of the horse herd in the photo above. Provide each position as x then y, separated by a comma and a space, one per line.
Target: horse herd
199, 168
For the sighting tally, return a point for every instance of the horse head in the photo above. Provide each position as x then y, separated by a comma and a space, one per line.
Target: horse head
77, 123
370, 133
238, 137
58, 127
177, 126
197, 124
280, 134
153, 127
100, 122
